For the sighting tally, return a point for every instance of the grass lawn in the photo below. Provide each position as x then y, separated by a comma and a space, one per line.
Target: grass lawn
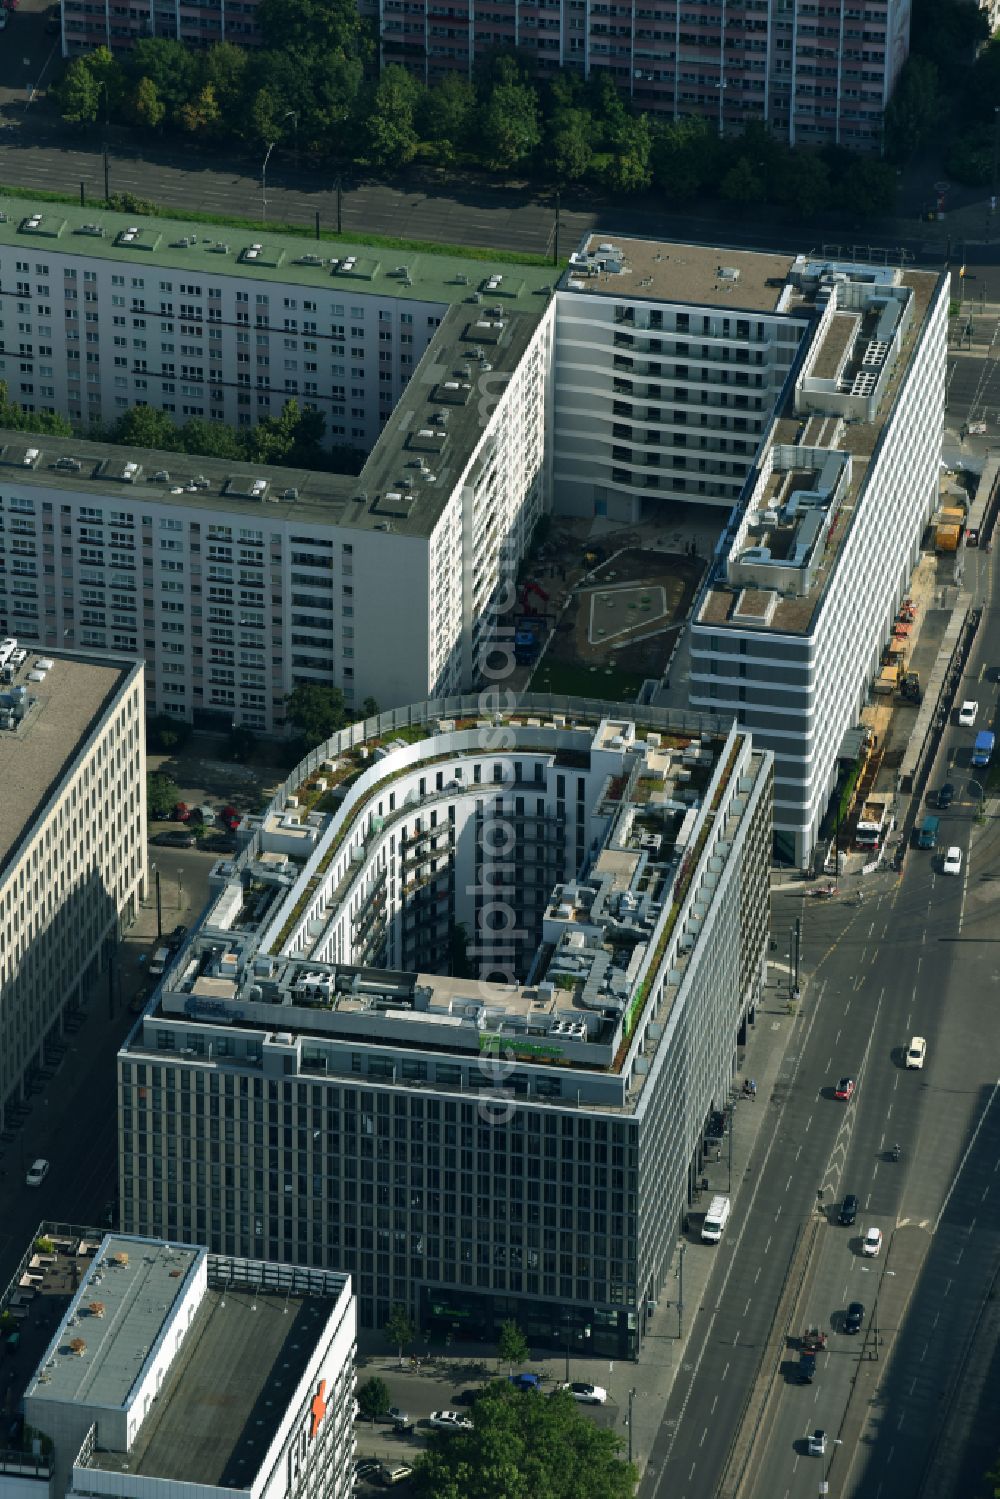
580, 681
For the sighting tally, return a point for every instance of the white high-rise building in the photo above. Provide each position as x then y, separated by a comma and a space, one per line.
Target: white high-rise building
72, 837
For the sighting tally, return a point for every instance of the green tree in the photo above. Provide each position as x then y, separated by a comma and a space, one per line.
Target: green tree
915, 110
161, 795
629, 169
568, 151
316, 711
369, 708
201, 115
523, 1447
869, 189
171, 66
391, 133
242, 744
165, 733
225, 72
510, 128
144, 427
212, 439
77, 93
400, 1328
512, 1345
448, 111
685, 157
147, 107
308, 26
374, 1399
48, 423
742, 183
804, 183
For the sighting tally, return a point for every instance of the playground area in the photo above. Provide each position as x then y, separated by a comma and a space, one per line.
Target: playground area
619, 626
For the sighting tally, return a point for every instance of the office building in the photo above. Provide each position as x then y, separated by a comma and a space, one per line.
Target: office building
655, 374
815, 72
72, 835
790, 630
315, 1080
174, 1369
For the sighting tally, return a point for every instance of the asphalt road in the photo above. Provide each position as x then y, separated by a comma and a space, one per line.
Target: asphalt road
919, 957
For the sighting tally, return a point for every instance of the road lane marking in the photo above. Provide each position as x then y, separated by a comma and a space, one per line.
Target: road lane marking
714, 1404
757, 1276
961, 1164
768, 1244
747, 1307
703, 1436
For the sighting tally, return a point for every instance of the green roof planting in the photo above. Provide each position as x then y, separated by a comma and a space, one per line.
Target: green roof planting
218, 250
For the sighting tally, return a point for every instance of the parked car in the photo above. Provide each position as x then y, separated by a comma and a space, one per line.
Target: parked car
177, 936
393, 1472
588, 1394
182, 812
525, 1381
872, 1242
467, 1397
174, 840
366, 1467
854, 1317
845, 1089
206, 815
450, 1421
397, 1418
231, 818
967, 714
849, 1210
952, 862
138, 1002
37, 1172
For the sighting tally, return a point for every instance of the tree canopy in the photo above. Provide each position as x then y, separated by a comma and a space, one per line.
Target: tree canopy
316, 710
525, 1446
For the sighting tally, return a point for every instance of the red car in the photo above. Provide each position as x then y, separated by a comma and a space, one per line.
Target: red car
182, 812
231, 818
845, 1088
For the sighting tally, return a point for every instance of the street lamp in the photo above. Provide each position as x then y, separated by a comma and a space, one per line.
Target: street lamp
981, 814
290, 114
263, 179
631, 1398
179, 890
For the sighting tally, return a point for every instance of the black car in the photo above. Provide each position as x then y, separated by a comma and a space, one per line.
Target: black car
466, 1397
366, 1467
807, 1368
174, 840
849, 1210
854, 1317
946, 795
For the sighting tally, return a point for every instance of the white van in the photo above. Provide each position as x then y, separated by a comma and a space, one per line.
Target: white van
716, 1219
161, 958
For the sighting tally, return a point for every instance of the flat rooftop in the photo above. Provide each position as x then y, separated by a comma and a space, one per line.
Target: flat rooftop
227, 1391
696, 274
126, 1298
63, 709
403, 487
727, 604
262, 255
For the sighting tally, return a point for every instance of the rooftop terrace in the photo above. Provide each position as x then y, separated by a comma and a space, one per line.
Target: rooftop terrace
696, 274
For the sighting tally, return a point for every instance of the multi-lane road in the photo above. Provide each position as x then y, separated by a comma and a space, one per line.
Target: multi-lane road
919, 956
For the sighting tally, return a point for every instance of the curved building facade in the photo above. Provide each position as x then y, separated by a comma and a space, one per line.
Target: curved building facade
455, 1019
